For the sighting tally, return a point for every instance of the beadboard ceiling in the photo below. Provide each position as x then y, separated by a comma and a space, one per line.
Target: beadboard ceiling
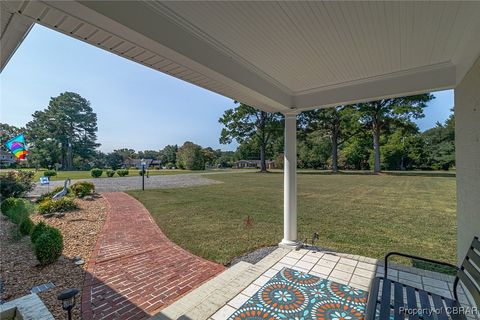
281, 56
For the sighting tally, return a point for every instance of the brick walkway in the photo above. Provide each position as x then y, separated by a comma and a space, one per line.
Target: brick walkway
135, 270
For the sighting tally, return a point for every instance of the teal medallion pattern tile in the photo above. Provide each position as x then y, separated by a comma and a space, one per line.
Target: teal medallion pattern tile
296, 295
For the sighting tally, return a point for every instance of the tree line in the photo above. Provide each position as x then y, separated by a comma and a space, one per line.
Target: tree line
377, 135
374, 136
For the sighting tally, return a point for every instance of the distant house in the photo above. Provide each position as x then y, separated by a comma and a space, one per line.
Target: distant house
156, 164
6, 158
253, 164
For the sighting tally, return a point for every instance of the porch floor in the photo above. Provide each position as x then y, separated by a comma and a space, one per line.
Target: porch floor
224, 294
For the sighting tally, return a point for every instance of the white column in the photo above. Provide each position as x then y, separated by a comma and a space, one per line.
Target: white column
467, 149
290, 183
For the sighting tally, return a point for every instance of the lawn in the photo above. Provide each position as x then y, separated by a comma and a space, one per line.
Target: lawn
355, 213
62, 175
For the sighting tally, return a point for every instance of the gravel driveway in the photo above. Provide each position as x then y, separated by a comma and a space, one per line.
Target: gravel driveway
135, 183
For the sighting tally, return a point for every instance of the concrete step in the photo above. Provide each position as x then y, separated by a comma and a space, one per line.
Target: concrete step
207, 299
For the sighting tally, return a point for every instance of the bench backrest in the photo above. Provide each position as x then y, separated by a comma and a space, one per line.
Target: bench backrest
469, 271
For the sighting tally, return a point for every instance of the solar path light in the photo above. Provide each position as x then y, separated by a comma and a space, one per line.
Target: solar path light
67, 297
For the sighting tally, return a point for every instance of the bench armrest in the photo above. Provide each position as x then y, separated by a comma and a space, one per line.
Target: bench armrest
446, 264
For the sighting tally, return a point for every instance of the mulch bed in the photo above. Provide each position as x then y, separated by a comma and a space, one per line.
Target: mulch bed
19, 268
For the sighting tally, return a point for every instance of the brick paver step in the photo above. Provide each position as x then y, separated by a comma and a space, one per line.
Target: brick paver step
135, 270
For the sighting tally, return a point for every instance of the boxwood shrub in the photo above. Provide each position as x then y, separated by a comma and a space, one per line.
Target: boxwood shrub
96, 172
110, 173
25, 227
122, 172
82, 188
49, 246
37, 230
61, 205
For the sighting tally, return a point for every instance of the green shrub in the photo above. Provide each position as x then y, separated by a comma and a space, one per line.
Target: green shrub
38, 230
61, 205
110, 173
16, 183
25, 227
122, 172
17, 210
50, 194
7, 204
50, 173
82, 188
96, 172
16, 234
49, 246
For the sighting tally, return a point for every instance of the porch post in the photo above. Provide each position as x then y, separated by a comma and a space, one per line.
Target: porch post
290, 183
467, 149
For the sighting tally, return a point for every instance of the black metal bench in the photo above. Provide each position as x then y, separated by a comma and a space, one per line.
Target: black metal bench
400, 301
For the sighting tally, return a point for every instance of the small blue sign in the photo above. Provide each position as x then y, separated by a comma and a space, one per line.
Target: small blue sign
44, 181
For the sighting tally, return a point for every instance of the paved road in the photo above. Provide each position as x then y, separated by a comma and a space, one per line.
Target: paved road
135, 183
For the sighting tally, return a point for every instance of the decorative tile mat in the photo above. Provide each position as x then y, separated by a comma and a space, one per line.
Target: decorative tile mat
292, 294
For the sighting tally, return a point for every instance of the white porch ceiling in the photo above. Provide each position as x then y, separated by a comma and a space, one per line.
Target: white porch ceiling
13, 29
281, 55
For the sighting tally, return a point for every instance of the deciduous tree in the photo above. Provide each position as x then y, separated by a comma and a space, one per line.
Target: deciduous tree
377, 115
190, 157
168, 155
247, 124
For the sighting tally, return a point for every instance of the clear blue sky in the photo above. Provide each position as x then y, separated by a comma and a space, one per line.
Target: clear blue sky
137, 107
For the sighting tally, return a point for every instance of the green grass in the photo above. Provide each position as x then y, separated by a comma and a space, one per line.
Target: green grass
355, 213
62, 175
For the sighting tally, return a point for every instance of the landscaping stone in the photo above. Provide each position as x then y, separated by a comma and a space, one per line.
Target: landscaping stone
59, 214
80, 262
42, 287
254, 256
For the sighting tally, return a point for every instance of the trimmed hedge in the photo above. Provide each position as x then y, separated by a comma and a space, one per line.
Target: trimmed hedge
49, 246
96, 172
82, 188
26, 226
110, 173
50, 173
38, 230
122, 172
61, 205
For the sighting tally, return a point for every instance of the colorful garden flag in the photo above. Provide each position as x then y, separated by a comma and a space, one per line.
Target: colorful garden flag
18, 147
